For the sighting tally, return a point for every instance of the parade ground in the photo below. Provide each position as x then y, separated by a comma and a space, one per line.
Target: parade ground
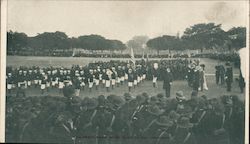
213, 92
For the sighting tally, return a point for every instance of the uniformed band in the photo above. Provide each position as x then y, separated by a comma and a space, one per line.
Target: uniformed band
117, 73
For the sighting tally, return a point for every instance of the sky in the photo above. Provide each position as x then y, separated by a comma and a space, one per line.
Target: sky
121, 19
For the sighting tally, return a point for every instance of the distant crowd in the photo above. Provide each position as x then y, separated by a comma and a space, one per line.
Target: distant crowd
96, 55
232, 57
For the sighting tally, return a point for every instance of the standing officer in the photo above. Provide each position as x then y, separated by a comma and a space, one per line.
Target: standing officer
217, 73
229, 76
196, 79
167, 82
222, 74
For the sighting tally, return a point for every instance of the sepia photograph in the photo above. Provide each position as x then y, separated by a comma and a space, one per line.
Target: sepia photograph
126, 72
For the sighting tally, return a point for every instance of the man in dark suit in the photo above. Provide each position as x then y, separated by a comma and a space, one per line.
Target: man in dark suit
196, 79
217, 73
229, 76
167, 82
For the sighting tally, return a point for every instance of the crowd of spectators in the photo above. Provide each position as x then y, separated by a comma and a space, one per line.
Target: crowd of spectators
232, 57
140, 119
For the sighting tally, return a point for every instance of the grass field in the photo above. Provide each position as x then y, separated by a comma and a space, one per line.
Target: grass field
214, 90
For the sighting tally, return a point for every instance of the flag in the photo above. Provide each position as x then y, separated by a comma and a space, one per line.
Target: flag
132, 55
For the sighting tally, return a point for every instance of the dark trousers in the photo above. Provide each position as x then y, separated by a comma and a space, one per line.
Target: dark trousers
196, 86
229, 86
217, 77
167, 91
222, 77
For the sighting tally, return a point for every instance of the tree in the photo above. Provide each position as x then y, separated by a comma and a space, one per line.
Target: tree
117, 45
205, 36
93, 42
16, 41
165, 42
50, 41
237, 37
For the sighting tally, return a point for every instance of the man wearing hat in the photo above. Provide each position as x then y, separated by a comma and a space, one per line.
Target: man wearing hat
178, 101
180, 96
167, 82
229, 76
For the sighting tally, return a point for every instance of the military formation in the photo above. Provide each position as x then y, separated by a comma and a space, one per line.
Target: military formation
112, 74
125, 119
96, 75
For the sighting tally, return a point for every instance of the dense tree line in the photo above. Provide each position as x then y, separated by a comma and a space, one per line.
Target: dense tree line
197, 37
202, 36
51, 41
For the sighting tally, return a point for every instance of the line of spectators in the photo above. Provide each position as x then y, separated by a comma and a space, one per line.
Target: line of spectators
231, 57
96, 55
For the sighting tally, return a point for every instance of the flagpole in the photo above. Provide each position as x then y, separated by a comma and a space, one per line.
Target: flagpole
132, 56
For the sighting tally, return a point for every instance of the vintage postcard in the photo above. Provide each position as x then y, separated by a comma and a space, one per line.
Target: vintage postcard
124, 72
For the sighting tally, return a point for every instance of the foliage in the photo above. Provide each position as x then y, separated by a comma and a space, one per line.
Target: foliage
51, 41
165, 42
205, 36
16, 41
237, 36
